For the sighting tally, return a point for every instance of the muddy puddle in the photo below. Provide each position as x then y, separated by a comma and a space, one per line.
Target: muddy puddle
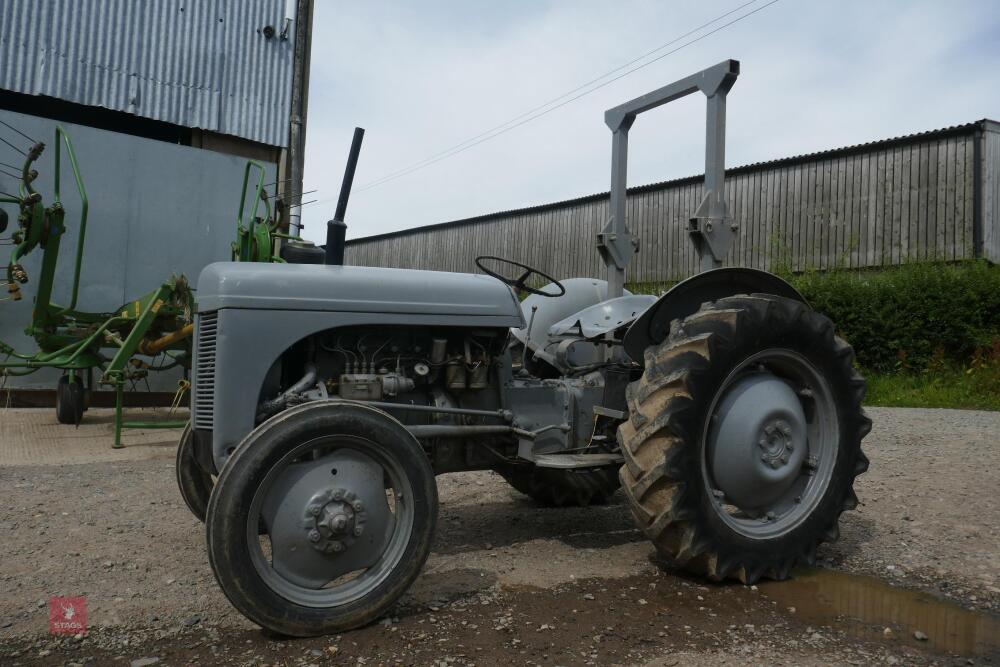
864, 607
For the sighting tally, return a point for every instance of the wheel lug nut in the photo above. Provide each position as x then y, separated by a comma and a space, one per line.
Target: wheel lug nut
358, 530
315, 510
314, 536
338, 494
357, 506
762, 442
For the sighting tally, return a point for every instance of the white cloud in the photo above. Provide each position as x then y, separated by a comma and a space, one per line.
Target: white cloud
424, 76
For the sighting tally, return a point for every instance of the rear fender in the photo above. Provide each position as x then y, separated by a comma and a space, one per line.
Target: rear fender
686, 298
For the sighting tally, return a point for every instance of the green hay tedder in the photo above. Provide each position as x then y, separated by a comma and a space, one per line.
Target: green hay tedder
148, 334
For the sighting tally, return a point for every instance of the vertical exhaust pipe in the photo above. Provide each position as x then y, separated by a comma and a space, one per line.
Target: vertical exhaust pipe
336, 229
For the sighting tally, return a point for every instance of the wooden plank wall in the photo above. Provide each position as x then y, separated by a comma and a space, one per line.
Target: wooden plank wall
991, 191
895, 201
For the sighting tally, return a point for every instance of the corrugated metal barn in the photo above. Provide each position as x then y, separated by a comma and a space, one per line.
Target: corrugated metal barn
205, 65
164, 101
929, 196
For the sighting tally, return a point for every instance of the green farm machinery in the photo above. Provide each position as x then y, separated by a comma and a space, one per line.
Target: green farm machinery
261, 235
157, 325
149, 334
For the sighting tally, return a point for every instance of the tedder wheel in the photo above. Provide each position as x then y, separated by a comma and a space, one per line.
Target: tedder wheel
298, 253
349, 503
554, 487
69, 400
194, 483
744, 438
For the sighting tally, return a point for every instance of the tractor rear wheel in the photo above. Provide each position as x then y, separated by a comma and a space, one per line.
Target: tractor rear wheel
555, 487
348, 501
70, 400
744, 438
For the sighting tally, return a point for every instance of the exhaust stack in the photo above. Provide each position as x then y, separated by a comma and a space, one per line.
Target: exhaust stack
336, 229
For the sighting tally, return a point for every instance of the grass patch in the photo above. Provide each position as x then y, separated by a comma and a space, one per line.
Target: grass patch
967, 389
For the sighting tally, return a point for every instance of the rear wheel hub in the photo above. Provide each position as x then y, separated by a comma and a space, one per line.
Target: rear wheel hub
759, 441
771, 443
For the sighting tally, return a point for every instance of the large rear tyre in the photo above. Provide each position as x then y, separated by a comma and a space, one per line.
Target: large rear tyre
194, 483
554, 487
70, 400
349, 503
744, 438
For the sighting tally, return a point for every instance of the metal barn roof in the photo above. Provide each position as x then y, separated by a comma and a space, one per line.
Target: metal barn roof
195, 63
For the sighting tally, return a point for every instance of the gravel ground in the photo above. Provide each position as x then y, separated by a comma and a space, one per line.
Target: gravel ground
511, 582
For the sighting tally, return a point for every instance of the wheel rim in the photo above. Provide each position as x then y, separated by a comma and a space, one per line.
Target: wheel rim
338, 519
770, 444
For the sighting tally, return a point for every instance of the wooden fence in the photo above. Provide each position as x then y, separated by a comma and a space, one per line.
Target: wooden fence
933, 196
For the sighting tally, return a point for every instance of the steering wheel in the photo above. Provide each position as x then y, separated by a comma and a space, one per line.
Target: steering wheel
521, 282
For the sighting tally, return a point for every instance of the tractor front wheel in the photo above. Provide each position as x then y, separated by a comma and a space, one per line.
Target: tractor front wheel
194, 483
347, 501
744, 438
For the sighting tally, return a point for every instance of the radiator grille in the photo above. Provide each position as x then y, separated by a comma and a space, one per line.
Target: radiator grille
204, 378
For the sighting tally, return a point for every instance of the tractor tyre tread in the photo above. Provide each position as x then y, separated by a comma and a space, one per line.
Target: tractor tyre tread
554, 487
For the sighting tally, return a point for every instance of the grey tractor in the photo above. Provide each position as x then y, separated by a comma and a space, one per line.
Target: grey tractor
326, 398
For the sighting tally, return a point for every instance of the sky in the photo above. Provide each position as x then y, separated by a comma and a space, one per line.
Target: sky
423, 77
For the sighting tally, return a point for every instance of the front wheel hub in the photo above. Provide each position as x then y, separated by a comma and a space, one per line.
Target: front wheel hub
334, 519
758, 440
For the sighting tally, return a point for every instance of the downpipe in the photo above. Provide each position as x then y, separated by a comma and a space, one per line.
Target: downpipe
289, 397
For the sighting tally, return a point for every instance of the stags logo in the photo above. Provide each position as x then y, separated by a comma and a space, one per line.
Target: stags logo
67, 616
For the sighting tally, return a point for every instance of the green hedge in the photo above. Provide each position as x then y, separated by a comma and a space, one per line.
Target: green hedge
912, 316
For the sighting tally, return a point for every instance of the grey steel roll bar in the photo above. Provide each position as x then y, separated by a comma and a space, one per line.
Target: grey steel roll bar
710, 230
